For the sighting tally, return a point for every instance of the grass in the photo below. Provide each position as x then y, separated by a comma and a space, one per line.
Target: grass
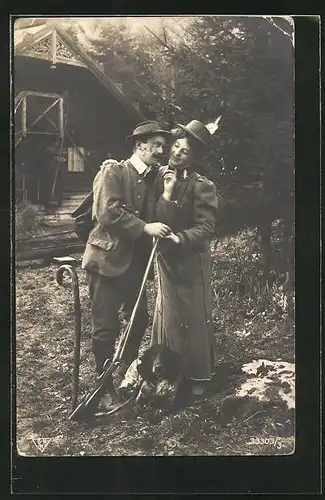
249, 324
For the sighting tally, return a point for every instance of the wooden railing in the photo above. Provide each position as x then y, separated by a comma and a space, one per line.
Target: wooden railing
22, 187
21, 100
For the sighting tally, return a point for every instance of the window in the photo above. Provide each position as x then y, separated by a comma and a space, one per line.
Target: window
76, 161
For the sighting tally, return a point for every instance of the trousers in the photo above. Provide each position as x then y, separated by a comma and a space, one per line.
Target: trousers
108, 296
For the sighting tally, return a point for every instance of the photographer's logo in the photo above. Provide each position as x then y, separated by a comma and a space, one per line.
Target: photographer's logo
41, 443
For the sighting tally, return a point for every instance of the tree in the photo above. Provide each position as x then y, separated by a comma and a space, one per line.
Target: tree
242, 69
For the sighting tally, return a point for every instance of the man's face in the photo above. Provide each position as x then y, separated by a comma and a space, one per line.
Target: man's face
152, 150
180, 154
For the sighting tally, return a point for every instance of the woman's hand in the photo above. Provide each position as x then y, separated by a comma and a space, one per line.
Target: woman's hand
173, 237
110, 161
169, 183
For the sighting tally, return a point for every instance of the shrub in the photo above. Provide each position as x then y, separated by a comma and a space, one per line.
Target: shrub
249, 319
26, 220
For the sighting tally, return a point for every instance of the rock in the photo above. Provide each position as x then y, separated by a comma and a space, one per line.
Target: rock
274, 381
270, 385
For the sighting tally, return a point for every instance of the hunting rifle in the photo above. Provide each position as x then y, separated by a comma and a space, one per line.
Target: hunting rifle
87, 406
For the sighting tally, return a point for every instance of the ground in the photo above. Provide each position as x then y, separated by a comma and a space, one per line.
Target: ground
250, 324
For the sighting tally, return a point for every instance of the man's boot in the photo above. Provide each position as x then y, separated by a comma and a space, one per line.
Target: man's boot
107, 397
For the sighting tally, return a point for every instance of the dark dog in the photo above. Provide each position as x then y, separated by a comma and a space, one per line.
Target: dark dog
155, 377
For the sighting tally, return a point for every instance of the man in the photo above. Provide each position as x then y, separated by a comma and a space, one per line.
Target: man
118, 246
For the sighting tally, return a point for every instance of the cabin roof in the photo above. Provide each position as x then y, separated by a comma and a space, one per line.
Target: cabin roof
26, 39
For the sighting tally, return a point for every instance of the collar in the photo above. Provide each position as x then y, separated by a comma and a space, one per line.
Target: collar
139, 165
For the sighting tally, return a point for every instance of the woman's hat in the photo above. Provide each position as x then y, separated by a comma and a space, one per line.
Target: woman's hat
197, 130
147, 128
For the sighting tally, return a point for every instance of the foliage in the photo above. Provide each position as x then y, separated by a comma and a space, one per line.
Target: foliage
26, 221
120, 54
243, 309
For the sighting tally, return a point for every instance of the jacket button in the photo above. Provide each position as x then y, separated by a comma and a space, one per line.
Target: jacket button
139, 181
139, 196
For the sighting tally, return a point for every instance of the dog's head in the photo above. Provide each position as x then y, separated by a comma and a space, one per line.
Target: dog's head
159, 363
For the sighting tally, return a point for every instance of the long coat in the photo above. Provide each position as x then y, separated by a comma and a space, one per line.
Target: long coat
183, 314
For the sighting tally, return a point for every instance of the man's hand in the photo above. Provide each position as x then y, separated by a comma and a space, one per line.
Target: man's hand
169, 183
157, 229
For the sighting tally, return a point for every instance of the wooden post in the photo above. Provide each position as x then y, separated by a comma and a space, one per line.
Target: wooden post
288, 249
265, 229
61, 118
54, 48
24, 188
24, 115
38, 189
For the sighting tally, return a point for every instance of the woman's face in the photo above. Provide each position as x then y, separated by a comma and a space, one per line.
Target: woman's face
181, 154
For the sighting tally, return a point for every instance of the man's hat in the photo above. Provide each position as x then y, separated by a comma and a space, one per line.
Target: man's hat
197, 130
147, 128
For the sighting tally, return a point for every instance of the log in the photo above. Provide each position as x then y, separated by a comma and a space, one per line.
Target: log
36, 244
49, 252
42, 237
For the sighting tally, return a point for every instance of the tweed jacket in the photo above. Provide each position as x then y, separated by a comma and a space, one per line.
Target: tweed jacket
119, 196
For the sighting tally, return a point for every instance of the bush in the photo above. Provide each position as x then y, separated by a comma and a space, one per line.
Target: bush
249, 320
26, 220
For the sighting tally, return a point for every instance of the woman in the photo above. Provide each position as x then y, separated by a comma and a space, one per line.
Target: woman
189, 204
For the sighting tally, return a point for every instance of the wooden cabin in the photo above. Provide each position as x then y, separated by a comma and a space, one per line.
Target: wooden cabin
69, 117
